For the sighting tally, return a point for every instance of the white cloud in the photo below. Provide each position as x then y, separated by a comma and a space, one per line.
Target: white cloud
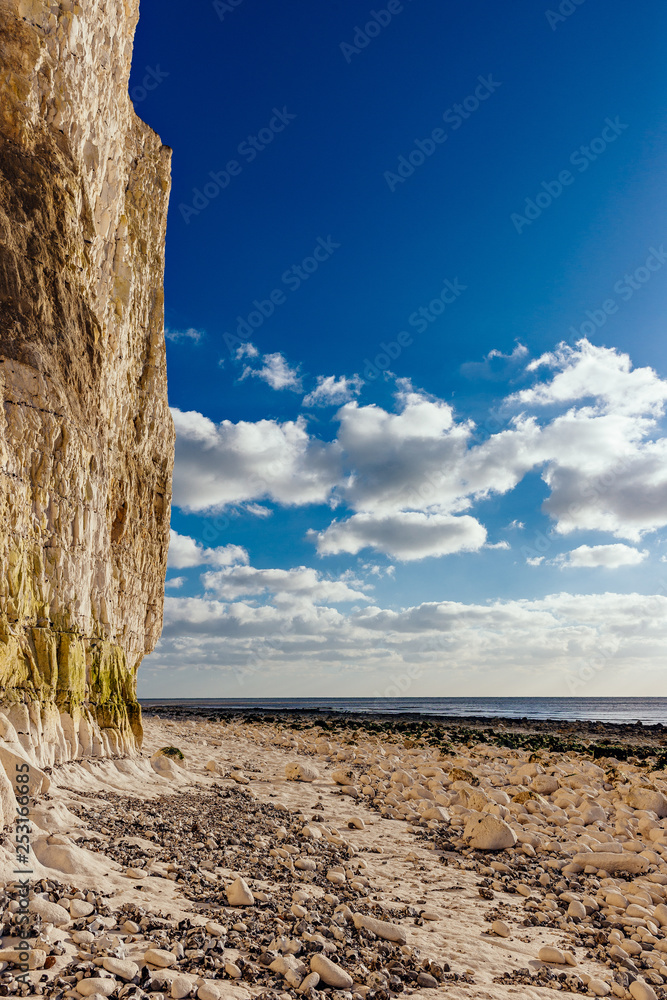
602, 374
603, 459
175, 583
227, 463
496, 366
179, 336
246, 350
607, 556
332, 391
406, 535
300, 583
185, 552
276, 372
563, 644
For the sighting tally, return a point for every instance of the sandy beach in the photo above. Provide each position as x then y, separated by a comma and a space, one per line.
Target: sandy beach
366, 858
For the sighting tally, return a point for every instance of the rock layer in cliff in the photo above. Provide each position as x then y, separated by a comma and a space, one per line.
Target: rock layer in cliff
86, 438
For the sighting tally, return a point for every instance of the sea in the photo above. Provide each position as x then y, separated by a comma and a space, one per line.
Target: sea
648, 711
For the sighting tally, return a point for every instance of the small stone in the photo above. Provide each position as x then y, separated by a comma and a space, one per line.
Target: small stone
130, 927
122, 968
80, 908
427, 982
338, 879
381, 928
659, 914
500, 928
300, 771
211, 765
181, 987
576, 910
239, 777
160, 958
485, 832
88, 987
208, 991
215, 929
239, 894
599, 988
554, 956
355, 823
641, 990
50, 912
305, 865
330, 973
309, 982
232, 970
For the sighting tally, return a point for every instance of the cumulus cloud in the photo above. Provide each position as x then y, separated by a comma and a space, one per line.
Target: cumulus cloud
275, 371
406, 535
562, 644
600, 374
300, 583
607, 556
496, 366
185, 552
229, 463
181, 336
601, 455
332, 391
175, 583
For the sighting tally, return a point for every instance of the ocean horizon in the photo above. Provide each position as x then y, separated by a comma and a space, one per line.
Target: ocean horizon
648, 711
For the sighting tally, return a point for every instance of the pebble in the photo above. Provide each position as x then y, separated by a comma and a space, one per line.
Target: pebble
309, 982
122, 968
208, 991
330, 973
50, 912
80, 908
381, 928
239, 777
599, 988
160, 958
554, 956
300, 771
485, 832
500, 928
640, 990
89, 987
576, 910
181, 987
233, 970
239, 894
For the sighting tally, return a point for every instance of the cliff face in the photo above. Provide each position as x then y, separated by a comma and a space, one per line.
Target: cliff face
86, 438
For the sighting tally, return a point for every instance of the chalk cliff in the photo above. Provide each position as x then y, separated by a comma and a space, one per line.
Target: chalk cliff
86, 438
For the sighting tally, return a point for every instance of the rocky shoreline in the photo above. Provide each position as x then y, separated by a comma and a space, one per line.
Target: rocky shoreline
363, 857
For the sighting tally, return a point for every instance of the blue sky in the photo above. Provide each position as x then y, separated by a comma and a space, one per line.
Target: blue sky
415, 300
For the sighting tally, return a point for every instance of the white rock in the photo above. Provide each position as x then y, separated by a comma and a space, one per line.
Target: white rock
545, 784
239, 777
438, 813
208, 991
355, 823
49, 912
649, 799
80, 908
488, 833
309, 983
232, 970
635, 864
159, 957
122, 968
330, 973
659, 914
576, 910
301, 771
343, 776
216, 929
599, 988
500, 928
381, 928
239, 894
88, 987
181, 987
305, 865
641, 990
554, 956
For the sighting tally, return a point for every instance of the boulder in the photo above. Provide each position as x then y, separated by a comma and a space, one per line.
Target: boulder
488, 833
